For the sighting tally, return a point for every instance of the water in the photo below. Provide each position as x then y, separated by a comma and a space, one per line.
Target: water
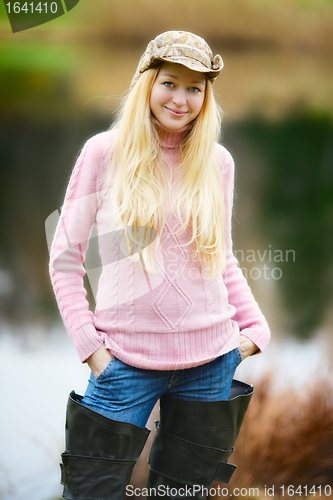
38, 371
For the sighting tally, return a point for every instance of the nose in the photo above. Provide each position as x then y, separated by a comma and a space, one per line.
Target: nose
179, 97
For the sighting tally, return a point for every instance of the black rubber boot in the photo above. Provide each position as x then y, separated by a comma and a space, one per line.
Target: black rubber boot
193, 442
100, 453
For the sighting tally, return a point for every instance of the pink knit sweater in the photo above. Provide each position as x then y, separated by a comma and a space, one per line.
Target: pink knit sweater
169, 320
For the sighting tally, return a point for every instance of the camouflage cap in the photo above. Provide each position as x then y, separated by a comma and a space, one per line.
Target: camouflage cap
180, 47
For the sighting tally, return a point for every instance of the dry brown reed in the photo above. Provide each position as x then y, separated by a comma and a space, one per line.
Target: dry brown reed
286, 439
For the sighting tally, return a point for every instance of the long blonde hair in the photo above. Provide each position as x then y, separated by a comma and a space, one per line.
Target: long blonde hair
138, 176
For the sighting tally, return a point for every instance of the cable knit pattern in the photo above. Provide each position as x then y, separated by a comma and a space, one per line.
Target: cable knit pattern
169, 320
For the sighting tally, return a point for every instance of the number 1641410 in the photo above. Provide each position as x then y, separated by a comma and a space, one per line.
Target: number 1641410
27, 7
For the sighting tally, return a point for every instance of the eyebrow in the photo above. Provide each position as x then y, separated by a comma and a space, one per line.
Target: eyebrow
176, 78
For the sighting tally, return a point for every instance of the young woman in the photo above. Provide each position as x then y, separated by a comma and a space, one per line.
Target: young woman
174, 315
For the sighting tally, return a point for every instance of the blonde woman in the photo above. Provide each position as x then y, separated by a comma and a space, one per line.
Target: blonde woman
174, 315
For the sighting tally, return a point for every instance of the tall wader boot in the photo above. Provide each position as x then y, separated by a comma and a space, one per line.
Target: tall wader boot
100, 453
193, 442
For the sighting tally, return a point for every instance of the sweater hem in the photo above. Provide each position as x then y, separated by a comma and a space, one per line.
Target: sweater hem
228, 340
165, 365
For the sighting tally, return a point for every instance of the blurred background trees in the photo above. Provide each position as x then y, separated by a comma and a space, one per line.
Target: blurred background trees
61, 82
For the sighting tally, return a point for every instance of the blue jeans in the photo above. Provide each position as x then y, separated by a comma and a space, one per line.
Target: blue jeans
128, 394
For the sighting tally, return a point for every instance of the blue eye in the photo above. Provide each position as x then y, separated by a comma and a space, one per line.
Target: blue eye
168, 84
195, 89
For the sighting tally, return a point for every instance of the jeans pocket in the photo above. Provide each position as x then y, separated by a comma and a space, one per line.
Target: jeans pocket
239, 355
106, 369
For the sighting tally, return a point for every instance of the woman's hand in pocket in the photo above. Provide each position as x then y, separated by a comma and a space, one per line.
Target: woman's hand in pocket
247, 347
99, 360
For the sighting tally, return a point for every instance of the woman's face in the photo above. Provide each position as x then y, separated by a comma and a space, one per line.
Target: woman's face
177, 95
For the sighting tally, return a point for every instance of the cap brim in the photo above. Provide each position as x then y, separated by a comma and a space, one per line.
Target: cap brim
192, 64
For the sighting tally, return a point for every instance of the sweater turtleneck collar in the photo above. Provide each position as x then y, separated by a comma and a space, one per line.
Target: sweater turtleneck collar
170, 139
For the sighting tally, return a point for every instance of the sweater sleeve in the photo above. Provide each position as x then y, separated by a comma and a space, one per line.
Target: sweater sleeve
70, 244
248, 315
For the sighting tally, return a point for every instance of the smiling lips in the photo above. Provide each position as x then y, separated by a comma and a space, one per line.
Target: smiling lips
176, 112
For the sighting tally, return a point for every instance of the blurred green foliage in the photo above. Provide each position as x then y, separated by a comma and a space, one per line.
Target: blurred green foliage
295, 208
35, 57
